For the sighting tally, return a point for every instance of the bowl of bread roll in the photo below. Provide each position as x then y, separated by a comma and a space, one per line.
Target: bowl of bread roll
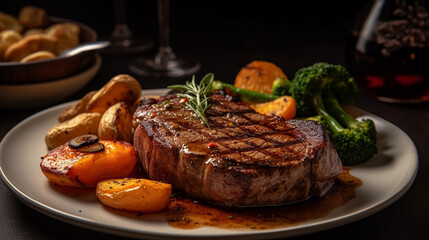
31, 43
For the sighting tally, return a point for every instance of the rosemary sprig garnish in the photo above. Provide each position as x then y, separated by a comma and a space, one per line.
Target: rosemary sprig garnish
197, 95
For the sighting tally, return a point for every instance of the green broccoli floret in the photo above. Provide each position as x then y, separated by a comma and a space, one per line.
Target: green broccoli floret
318, 78
318, 91
281, 86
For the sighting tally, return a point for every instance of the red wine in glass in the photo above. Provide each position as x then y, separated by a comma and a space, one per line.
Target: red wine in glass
388, 51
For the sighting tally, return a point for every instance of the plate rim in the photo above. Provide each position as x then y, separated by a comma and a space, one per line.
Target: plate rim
277, 232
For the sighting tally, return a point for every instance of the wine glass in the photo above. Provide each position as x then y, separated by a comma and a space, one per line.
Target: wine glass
165, 63
122, 39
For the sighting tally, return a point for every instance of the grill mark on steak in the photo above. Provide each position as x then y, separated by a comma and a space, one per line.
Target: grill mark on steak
258, 160
271, 145
247, 129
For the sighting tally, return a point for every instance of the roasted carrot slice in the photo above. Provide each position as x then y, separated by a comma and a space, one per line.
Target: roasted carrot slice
258, 76
71, 167
283, 106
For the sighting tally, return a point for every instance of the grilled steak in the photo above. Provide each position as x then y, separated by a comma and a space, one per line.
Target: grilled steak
244, 159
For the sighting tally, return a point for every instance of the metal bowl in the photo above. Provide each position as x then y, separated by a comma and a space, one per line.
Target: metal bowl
14, 73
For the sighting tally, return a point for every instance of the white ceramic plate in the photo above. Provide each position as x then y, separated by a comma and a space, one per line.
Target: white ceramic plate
46, 93
386, 177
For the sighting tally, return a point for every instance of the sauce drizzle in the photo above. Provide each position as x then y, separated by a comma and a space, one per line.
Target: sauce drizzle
185, 213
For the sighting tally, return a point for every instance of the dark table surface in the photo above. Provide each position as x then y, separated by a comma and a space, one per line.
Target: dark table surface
224, 38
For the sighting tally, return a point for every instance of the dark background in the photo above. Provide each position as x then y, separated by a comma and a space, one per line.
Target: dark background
224, 36
291, 34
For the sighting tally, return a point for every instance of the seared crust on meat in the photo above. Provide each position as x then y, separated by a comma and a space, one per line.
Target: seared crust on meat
244, 159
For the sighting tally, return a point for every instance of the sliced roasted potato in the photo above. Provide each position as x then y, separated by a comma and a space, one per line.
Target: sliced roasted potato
140, 195
121, 88
283, 106
76, 108
258, 76
84, 123
70, 167
115, 124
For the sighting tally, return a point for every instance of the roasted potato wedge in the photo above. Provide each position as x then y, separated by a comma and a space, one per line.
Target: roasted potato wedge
7, 38
37, 56
70, 167
34, 31
29, 45
283, 106
33, 17
142, 195
10, 22
134, 106
65, 35
116, 123
84, 123
258, 76
121, 88
77, 108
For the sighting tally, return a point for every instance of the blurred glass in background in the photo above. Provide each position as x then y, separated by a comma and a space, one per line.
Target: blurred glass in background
388, 51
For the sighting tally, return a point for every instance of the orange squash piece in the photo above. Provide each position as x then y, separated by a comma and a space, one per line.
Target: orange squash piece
142, 195
258, 76
283, 106
65, 166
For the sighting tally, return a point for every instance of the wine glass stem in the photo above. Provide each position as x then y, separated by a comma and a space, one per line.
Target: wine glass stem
121, 33
165, 53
